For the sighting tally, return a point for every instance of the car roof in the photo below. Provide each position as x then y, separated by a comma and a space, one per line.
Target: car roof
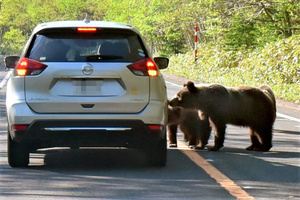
84, 23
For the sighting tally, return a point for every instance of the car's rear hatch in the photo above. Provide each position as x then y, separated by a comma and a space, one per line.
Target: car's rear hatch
87, 73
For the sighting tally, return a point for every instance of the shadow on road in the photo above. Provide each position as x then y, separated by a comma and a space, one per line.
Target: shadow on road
94, 158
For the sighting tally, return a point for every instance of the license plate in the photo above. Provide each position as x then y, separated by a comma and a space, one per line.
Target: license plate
87, 87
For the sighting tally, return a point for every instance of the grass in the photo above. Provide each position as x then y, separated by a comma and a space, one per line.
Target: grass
276, 65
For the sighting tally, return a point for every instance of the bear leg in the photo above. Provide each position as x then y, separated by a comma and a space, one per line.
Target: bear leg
254, 141
186, 137
193, 141
261, 139
219, 138
172, 135
202, 143
204, 136
265, 138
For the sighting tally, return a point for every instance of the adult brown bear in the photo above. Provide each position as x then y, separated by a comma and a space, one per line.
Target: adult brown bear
244, 106
193, 124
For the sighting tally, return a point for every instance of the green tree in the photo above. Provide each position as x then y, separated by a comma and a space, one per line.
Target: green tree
13, 41
241, 34
168, 25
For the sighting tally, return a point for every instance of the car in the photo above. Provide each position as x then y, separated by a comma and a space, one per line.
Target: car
86, 84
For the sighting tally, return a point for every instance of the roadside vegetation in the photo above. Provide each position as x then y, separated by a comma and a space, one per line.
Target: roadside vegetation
277, 65
239, 42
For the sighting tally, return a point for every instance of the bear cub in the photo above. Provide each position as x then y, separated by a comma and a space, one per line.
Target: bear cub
253, 107
193, 124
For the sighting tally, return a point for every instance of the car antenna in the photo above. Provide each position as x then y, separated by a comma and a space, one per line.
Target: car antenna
86, 20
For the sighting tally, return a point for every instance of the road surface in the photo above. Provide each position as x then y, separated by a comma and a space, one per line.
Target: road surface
230, 173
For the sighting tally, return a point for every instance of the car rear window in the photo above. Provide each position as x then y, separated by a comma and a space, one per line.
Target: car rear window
68, 45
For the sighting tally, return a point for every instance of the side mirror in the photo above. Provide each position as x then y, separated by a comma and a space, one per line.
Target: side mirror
11, 61
161, 62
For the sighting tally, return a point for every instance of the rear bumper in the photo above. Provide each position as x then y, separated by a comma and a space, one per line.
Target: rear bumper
86, 130
19, 113
88, 133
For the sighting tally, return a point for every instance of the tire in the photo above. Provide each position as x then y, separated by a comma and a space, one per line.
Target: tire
17, 155
157, 154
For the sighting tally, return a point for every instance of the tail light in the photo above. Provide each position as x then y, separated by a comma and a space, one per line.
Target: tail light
19, 127
29, 67
155, 127
145, 67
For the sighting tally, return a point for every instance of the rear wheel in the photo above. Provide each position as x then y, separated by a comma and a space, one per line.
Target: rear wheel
18, 156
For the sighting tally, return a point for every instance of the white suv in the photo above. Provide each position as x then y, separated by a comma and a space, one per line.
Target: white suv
86, 84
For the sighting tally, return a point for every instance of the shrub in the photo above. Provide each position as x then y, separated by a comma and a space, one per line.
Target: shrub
277, 65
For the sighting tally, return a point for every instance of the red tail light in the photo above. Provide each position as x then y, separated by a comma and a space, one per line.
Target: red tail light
146, 67
86, 29
19, 127
155, 127
29, 67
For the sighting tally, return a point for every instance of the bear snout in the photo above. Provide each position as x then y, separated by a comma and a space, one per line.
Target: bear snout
174, 102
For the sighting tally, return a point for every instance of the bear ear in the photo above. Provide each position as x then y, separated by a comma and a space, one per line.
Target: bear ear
191, 87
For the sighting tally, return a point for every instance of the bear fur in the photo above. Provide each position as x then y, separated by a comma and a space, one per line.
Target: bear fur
243, 106
193, 124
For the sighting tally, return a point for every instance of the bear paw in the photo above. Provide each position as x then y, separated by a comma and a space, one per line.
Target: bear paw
250, 148
200, 147
173, 145
215, 148
262, 148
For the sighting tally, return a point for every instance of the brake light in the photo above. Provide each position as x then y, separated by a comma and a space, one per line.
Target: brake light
19, 127
146, 67
155, 127
86, 29
29, 67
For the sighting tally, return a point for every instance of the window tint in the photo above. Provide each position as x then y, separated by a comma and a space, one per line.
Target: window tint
71, 46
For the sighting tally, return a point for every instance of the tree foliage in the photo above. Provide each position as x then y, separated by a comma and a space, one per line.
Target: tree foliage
277, 65
168, 25
248, 41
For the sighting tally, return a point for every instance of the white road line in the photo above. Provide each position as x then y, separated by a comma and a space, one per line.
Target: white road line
3, 82
278, 114
288, 117
174, 84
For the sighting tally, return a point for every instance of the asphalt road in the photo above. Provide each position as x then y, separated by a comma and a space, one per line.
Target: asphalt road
230, 173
